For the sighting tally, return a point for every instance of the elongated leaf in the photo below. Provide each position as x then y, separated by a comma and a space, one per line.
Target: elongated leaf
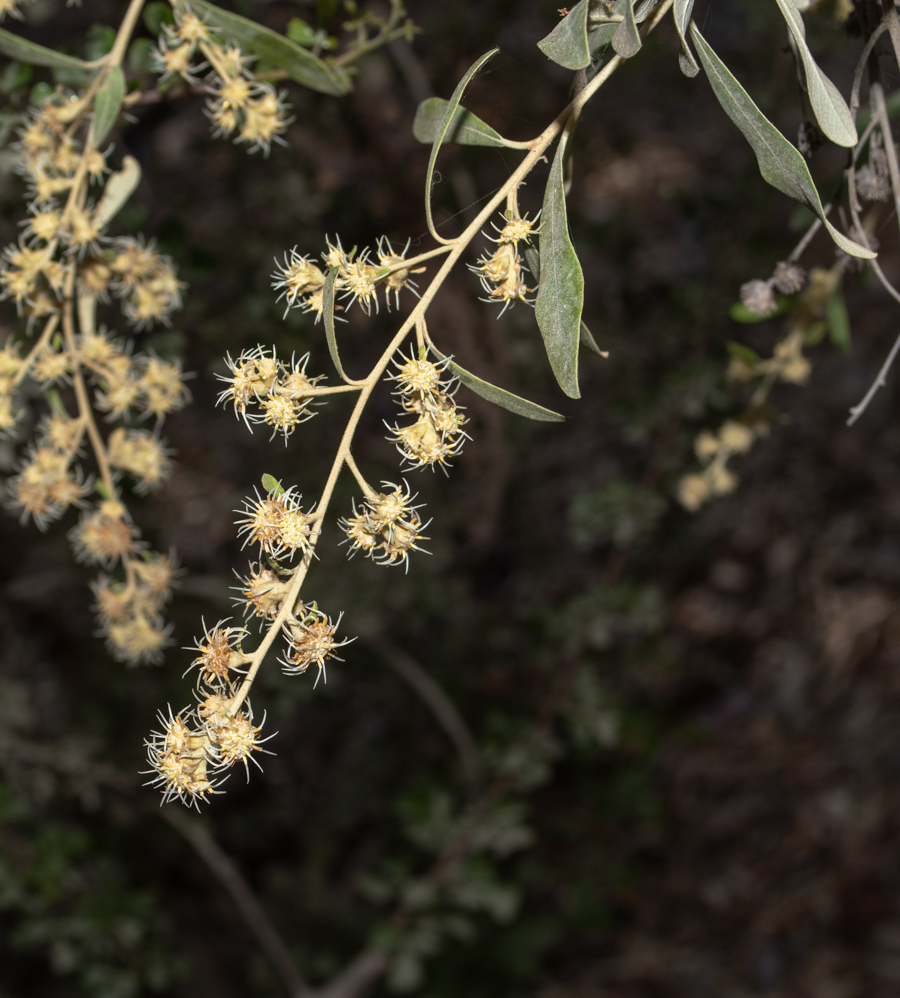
627, 39
36, 55
780, 163
328, 317
108, 103
682, 14
587, 340
828, 105
444, 125
567, 44
465, 128
499, 396
273, 49
118, 190
561, 292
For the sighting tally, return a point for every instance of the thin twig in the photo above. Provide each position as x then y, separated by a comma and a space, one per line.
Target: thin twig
228, 875
437, 700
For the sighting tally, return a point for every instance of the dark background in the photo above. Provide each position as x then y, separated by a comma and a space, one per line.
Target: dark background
721, 814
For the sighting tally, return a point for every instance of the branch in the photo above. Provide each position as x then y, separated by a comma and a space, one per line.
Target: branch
434, 696
216, 860
229, 876
362, 971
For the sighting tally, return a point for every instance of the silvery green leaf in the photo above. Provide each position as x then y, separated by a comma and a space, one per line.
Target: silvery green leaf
533, 261
118, 190
465, 128
443, 127
567, 44
561, 292
108, 103
328, 318
36, 55
682, 15
780, 163
273, 49
505, 399
627, 39
828, 105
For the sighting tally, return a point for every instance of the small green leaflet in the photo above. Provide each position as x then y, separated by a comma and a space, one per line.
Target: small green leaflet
520, 406
682, 15
108, 103
272, 485
828, 105
627, 39
780, 163
443, 126
567, 44
742, 352
465, 128
328, 317
560, 294
273, 49
37, 55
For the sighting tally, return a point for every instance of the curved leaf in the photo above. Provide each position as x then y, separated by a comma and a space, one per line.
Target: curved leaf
444, 125
682, 14
118, 190
567, 44
465, 128
561, 291
36, 55
499, 396
780, 163
627, 39
828, 105
273, 49
328, 317
587, 340
108, 103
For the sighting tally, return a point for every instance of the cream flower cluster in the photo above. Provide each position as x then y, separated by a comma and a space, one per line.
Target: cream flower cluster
240, 104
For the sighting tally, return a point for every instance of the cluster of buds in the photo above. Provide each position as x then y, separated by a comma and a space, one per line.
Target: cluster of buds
358, 278
131, 611
282, 393
387, 528
501, 272
437, 434
63, 250
195, 750
276, 523
311, 640
239, 103
714, 450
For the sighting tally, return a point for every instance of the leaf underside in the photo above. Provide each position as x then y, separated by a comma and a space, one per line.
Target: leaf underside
499, 396
108, 103
567, 44
780, 163
465, 128
36, 55
561, 291
328, 318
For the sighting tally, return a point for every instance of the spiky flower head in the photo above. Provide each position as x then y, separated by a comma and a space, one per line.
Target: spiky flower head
311, 641
219, 653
